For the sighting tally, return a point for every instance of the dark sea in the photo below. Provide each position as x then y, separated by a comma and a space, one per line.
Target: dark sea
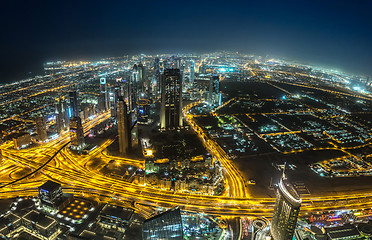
13, 72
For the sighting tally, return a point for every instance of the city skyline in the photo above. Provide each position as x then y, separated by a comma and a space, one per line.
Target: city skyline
183, 120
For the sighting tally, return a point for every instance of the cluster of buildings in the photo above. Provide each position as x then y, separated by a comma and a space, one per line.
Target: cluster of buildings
57, 215
197, 175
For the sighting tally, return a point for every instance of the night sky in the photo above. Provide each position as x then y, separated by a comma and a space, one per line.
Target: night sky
337, 34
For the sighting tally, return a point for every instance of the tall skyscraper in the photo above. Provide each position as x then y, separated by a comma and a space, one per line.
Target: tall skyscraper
143, 111
124, 127
60, 114
171, 99
113, 96
41, 128
141, 78
132, 88
192, 71
156, 82
103, 103
76, 133
287, 207
214, 89
74, 104
167, 225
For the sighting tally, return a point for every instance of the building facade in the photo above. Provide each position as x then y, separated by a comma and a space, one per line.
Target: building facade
171, 100
287, 207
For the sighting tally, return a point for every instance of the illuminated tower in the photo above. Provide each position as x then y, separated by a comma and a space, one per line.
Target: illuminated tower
141, 78
113, 96
132, 88
156, 75
103, 103
171, 99
192, 72
123, 127
60, 114
41, 128
76, 133
287, 207
74, 104
214, 88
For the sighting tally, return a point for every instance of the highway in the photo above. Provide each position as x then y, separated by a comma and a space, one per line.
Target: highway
70, 170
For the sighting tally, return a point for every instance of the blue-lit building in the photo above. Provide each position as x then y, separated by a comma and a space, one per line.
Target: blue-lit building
51, 196
165, 226
74, 104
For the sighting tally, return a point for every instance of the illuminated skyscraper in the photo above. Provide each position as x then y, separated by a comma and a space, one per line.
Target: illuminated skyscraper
41, 128
74, 104
156, 75
60, 114
76, 133
124, 127
171, 99
287, 207
132, 88
167, 225
142, 82
214, 89
192, 71
143, 111
103, 103
113, 96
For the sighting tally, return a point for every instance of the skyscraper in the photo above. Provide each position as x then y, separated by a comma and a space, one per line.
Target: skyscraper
167, 225
287, 207
103, 103
171, 99
74, 104
41, 128
123, 127
156, 75
132, 88
192, 72
214, 89
141, 78
76, 133
113, 96
60, 114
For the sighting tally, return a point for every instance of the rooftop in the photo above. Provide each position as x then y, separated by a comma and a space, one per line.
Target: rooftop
50, 186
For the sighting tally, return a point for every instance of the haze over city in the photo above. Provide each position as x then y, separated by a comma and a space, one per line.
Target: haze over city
329, 33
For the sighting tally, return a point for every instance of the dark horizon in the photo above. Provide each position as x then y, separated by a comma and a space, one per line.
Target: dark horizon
332, 33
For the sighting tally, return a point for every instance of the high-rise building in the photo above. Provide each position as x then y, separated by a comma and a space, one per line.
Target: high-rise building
41, 128
214, 89
142, 82
167, 225
192, 72
156, 82
103, 103
287, 207
74, 104
143, 111
113, 96
132, 88
76, 133
124, 127
171, 99
60, 114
